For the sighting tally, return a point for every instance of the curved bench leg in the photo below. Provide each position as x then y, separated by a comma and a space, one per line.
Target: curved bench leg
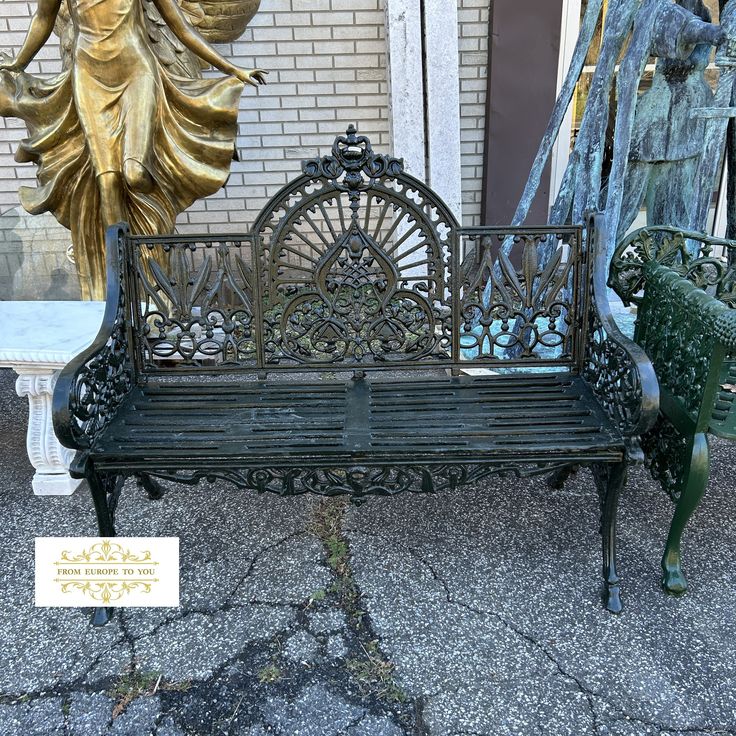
610, 480
154, 490
105, 489
692, 486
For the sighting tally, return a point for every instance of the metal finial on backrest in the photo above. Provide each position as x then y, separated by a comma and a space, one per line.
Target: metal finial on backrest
353, 155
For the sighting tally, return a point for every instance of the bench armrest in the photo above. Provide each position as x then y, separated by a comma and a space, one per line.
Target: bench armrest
91, 387
618, 370
688, 334
688, 252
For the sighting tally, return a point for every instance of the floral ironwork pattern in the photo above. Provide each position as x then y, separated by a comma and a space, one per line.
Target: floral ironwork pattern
678, 325
690, 254
196, 302
608, 369
93, 385
356, 310
526, 311
617, 369
357, 480
666, 451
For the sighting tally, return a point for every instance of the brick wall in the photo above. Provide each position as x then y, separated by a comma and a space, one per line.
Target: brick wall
327, 67
14, 20
473, 17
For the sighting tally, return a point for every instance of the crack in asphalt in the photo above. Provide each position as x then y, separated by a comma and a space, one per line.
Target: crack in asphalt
66, 702
66, 690
704, 730
351, 601
248, 655
589, 693
78, 684
227, 603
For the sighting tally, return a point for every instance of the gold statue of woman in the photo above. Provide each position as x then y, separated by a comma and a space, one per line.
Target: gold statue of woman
127, 131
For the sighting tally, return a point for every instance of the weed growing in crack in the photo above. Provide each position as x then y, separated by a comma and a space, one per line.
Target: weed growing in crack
269, 674
375, 674
327, 527
135, 683
317, 597
370, 669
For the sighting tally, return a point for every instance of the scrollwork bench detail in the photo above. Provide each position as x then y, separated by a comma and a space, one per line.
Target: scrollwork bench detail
684, 285
331, 346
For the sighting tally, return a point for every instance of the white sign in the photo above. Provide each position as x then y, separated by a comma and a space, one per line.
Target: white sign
95, 571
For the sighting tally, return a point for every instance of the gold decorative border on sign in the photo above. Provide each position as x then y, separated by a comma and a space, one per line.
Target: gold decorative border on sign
106, 592
107, 551
99, 589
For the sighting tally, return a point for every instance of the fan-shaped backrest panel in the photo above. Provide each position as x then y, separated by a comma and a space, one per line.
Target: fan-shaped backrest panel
355, 263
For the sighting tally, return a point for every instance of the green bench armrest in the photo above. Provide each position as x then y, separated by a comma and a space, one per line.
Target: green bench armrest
706, 261
688, 335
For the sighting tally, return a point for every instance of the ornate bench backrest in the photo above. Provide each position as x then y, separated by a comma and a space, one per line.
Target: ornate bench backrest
356, 264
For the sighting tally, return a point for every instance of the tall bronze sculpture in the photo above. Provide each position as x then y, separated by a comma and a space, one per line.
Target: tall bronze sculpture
667, 135
644, 139
669, 131
128, 131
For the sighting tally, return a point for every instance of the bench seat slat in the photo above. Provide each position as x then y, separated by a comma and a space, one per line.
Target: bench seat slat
484, 418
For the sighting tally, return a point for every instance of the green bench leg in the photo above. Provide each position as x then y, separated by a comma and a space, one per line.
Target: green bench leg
693, 482
557, 479
154, 490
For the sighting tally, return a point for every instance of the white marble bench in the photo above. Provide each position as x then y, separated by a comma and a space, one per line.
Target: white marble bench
37, 339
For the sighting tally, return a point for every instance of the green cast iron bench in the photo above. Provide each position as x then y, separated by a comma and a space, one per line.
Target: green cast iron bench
685, 291
326, 351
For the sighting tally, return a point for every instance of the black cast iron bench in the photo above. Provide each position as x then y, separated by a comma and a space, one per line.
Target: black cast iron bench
328, 351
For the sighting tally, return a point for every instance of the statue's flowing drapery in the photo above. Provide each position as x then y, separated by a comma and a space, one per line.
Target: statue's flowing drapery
117, 102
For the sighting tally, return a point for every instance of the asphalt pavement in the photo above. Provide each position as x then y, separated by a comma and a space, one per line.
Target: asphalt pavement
472, 612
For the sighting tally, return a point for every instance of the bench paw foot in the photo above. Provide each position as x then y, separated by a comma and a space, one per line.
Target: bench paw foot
154, 490
101, 616
610, 480
612, 598
674, 581
692, 485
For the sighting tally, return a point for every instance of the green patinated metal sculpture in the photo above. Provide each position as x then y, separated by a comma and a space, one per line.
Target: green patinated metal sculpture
667, 143
686, 322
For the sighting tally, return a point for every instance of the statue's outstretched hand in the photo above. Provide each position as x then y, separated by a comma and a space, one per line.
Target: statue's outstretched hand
251, 76
8, 63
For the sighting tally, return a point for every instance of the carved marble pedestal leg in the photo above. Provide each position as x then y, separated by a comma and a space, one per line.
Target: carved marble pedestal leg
47, 456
